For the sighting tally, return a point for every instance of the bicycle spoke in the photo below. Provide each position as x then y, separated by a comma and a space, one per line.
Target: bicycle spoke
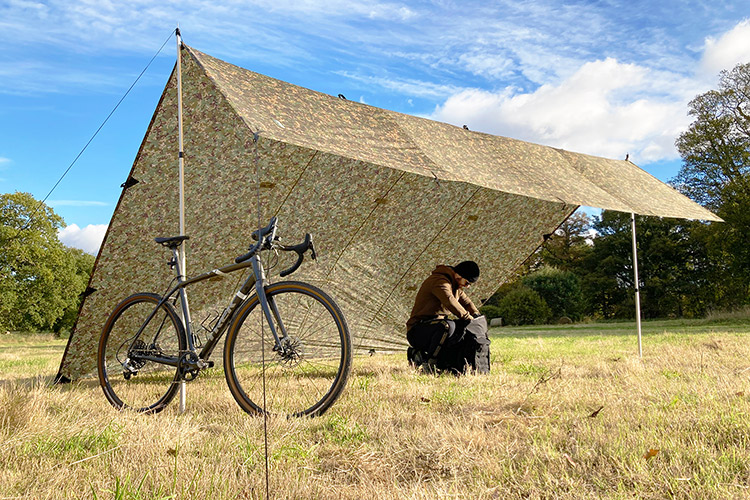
308, 374
127, 378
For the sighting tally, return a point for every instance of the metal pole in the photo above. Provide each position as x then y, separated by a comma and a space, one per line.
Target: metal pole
637, 287
180, 154
181, 161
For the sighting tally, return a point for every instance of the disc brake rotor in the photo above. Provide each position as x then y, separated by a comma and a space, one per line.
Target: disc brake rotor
292, 352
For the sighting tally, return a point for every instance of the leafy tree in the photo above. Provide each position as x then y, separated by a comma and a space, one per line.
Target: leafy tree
561, 291
84, 265
491, 311
716, 147
38, 275
565, 249
607, 271
568, 246
716, 172
671, 268
504, 290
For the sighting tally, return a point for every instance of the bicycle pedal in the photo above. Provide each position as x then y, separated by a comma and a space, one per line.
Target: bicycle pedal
205, 364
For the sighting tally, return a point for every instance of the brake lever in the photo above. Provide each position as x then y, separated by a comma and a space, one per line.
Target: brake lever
313, 255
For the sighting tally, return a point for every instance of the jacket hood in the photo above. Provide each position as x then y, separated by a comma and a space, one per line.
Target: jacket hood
448, 272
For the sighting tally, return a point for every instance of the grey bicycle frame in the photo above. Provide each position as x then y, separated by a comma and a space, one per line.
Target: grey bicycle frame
255, 281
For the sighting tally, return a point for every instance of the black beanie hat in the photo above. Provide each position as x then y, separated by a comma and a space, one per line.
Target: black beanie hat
468, 270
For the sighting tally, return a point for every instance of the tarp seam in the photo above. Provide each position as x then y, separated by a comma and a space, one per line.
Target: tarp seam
414, 261
299, 177
356, 232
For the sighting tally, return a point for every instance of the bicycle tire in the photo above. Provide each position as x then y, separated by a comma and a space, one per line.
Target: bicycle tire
148, 386
311, 376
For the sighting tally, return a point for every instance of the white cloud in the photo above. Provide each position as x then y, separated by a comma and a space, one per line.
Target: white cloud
547, 58
409, 87
728, 50
88, 239
605, 108
76, 203
482, 63
390, 12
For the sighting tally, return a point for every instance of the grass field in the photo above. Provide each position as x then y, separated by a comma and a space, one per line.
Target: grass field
568, 412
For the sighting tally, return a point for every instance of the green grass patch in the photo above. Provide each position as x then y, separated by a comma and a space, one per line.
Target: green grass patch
339, 429
78, 446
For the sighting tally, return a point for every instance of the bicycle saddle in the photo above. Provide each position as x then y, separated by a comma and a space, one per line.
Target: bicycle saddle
171, 241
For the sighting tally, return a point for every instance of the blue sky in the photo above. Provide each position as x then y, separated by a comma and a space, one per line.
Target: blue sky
599, 77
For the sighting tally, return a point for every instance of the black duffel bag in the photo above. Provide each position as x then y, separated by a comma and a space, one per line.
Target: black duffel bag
473, 351
469, 350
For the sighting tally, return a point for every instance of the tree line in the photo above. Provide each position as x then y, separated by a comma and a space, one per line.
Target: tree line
686, 268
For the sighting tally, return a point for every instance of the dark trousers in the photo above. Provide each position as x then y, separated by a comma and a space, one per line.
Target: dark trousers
433, 336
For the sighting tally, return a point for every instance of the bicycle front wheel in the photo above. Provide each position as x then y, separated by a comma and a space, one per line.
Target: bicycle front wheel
132, 339
309, 372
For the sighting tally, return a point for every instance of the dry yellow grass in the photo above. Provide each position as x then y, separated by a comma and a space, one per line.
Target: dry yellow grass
568, 412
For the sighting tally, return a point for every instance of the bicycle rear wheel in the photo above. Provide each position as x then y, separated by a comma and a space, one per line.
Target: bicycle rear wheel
311, 372
127, 378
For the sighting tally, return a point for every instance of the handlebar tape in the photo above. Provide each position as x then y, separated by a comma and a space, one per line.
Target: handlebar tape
300, 249
244, 257
258, 236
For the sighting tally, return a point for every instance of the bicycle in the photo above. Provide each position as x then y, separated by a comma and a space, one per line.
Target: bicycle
296, 365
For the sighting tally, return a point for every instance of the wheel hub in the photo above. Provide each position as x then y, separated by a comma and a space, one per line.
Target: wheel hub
291, 352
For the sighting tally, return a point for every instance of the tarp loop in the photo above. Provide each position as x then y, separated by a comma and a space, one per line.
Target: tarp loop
130, 182
437, 181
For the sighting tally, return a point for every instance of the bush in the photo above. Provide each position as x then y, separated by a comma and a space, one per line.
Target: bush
491, 312
501, 292
561, 291
523, 306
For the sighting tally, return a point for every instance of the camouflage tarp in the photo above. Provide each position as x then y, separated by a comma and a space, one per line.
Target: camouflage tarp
387, 196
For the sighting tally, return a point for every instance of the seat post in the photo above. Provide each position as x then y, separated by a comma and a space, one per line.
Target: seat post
185, 309
178, 262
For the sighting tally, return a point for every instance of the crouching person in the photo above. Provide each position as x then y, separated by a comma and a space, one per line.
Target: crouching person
438, 343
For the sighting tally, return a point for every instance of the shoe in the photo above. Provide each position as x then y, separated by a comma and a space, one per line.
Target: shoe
429, 367
415, 357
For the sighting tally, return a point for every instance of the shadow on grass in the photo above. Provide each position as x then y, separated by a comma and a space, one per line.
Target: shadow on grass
32, 347
46, 381
648, 328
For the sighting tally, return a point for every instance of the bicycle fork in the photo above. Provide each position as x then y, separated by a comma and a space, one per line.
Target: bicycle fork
270, 310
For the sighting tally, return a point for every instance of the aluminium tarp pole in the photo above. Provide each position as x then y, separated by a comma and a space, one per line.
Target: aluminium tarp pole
637, 287
181, 161
180, 154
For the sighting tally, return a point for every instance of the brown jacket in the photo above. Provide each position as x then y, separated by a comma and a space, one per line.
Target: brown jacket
440, 296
